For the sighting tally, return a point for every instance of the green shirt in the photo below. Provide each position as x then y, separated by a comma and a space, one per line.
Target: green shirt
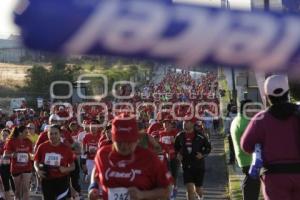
237, 128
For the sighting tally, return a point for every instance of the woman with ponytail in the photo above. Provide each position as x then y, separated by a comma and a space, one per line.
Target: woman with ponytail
19, 149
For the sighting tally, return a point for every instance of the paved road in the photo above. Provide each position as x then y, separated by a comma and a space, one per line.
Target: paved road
215, 181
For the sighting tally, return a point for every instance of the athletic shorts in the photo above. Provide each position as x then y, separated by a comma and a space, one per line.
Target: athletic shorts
173, 167
90, 165
6, 178
193, 175
56, 189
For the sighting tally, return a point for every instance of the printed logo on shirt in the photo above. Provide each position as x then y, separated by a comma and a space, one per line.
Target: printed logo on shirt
92, 148
124, 175
128, 129
53, 159
24, 149
161, 157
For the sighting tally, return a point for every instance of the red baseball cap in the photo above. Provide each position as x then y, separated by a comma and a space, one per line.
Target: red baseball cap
167, 118
124, 129
155, 134
162, 116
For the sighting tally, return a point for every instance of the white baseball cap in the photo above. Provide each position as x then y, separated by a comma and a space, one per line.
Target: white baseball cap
46, 127
276, 85
152, 121
31, 126
9, 124
54, 117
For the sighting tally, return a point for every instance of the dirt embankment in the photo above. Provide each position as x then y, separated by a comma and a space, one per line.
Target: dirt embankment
12, 75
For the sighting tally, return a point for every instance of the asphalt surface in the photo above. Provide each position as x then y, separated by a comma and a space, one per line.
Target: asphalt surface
215, 180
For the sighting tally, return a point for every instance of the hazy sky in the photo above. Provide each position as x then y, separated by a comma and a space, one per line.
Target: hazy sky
242, 4
7, 26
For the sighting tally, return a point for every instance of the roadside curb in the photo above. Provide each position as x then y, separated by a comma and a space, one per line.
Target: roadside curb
235, 178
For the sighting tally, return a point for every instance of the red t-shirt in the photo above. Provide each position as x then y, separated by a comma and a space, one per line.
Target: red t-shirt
54, 157
63, 114
91, 141
74, 135
43, 137
3, 161
167, 140
2, 143
103, 141
163, 156
66, 138
143, 170
21, 160
155, 127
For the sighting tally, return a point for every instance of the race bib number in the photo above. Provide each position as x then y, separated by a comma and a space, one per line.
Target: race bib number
189, 149
161, 157
118, 194
92, 149
52, 159
166, 140
22, 157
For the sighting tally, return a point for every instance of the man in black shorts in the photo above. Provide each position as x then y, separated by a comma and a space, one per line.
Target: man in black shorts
191, 148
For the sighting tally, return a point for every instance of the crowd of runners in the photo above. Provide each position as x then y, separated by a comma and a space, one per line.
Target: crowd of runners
120, 150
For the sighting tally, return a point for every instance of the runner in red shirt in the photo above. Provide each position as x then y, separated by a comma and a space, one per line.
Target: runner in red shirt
62, 112
53, 119
74, 130
162, 153
90, 147
105, 138
126, 170
53, 162
155, 126
167, 139
6, 177
19, 148
65, 135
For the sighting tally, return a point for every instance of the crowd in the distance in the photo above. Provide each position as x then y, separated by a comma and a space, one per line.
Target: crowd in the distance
53, 151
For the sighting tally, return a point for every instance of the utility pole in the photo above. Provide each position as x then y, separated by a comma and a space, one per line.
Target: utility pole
266, 5
226, 5
234, 93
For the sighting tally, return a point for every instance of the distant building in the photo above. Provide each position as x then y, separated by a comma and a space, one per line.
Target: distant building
248, 84
12, 51
260, 4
